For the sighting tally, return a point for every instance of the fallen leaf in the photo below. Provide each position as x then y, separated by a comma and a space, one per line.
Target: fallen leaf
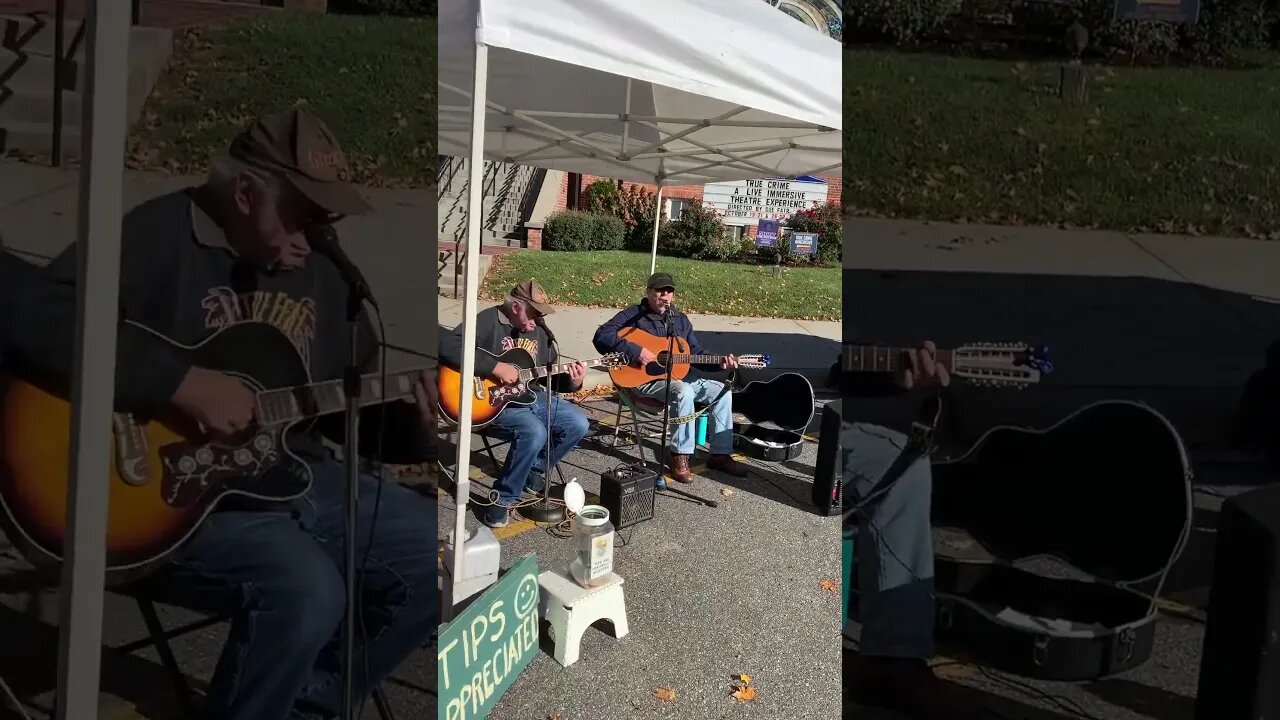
745, 678
829, 585
665, 693
557, 716
726, 491
745, 693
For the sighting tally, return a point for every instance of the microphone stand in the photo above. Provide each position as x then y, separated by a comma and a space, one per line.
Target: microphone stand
351, 460
324, 240
543, 511
666, 416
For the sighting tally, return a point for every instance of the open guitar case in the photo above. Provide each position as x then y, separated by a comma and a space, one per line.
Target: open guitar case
1107, 490
778, 413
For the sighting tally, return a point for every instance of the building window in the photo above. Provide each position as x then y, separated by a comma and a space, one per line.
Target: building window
676, 208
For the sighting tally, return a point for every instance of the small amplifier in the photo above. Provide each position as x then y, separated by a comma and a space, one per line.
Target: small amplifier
628, 492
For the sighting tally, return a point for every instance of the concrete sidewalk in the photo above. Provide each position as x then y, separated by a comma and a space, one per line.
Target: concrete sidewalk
805, 347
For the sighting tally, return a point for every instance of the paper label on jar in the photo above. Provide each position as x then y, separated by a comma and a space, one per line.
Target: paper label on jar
601, 556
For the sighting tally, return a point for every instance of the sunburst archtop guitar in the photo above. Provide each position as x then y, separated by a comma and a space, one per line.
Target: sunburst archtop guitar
631, 376
166, 474
1009, 365
489, 398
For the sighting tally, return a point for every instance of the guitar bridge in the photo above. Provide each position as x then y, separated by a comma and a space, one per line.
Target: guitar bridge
131, 450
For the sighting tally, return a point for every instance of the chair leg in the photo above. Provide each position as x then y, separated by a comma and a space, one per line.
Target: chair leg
384, 707
497, 467
180, 686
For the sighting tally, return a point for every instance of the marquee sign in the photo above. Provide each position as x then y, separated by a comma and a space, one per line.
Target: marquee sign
746, 202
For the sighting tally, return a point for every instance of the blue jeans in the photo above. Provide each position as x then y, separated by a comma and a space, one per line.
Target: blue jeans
683, 396
894, 544
526, 428
280, 575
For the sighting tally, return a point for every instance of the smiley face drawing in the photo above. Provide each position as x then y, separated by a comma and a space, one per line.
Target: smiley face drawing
526, 598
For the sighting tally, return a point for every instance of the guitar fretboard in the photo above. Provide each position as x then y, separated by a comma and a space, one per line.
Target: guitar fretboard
699, 359
285, 405
876, 359
544, 371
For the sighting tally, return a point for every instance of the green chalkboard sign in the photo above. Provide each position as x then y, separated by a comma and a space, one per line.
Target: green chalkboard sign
483, 650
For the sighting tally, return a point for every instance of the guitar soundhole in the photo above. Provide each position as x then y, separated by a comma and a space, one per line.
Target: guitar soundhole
662, 359
191, 471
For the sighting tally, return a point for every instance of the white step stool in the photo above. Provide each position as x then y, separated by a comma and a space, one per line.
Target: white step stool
571, 609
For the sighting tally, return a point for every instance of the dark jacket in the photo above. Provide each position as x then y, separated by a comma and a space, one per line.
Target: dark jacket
495, 334
607, 339
180, 278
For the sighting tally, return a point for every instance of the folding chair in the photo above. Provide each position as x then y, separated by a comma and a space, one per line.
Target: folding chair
159, 638
642, 406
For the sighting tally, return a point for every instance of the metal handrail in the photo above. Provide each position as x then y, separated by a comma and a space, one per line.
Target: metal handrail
60, 69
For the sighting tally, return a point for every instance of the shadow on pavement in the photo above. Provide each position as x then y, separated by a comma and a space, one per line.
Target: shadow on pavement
1144, 699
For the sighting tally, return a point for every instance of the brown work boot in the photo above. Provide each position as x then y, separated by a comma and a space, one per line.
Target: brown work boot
908, 687
680, 471
726, 463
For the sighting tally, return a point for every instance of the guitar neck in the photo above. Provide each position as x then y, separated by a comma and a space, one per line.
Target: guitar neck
544, 371
698, 359
882, 359
285, 405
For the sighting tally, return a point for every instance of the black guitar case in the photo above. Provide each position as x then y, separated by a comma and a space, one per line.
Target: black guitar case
1107, 491
778, 412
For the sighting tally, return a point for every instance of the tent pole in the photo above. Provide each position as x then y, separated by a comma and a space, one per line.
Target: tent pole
657, 219
467, 371
93, 382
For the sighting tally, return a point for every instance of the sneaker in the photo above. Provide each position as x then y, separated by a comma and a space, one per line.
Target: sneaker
495, 516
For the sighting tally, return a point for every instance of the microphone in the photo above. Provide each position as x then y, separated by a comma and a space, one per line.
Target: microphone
324, 240
551, 337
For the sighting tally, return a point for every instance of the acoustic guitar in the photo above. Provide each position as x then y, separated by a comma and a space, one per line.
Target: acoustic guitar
489, 398
631, 376
1014, 365
166, 473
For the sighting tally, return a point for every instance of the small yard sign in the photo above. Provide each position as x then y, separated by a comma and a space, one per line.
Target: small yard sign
804, 243
767, 233
485, 649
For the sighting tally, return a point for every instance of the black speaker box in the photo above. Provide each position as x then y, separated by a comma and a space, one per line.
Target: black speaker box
827, 486
1240, 664
628, 493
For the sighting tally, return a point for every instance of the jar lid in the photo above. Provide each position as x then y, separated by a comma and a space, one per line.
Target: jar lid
574, 496
593, 515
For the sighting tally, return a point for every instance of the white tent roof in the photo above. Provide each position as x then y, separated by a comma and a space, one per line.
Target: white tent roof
621, 89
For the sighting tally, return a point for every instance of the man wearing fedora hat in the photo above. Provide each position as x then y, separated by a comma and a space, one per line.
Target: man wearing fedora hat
651, 315
235, 250
518, 322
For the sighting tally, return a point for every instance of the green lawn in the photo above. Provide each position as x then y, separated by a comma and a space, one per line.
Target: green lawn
372, 79
615, 279
950, 138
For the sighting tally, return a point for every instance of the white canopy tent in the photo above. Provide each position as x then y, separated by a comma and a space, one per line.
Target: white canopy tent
662, 91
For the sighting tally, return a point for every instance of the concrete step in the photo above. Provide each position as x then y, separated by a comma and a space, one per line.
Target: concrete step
23, 71
449, 282
37, 139
36, 105
35, 35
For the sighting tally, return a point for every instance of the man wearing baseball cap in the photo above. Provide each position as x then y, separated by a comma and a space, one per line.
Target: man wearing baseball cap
651, 315
235, 250
518, 323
